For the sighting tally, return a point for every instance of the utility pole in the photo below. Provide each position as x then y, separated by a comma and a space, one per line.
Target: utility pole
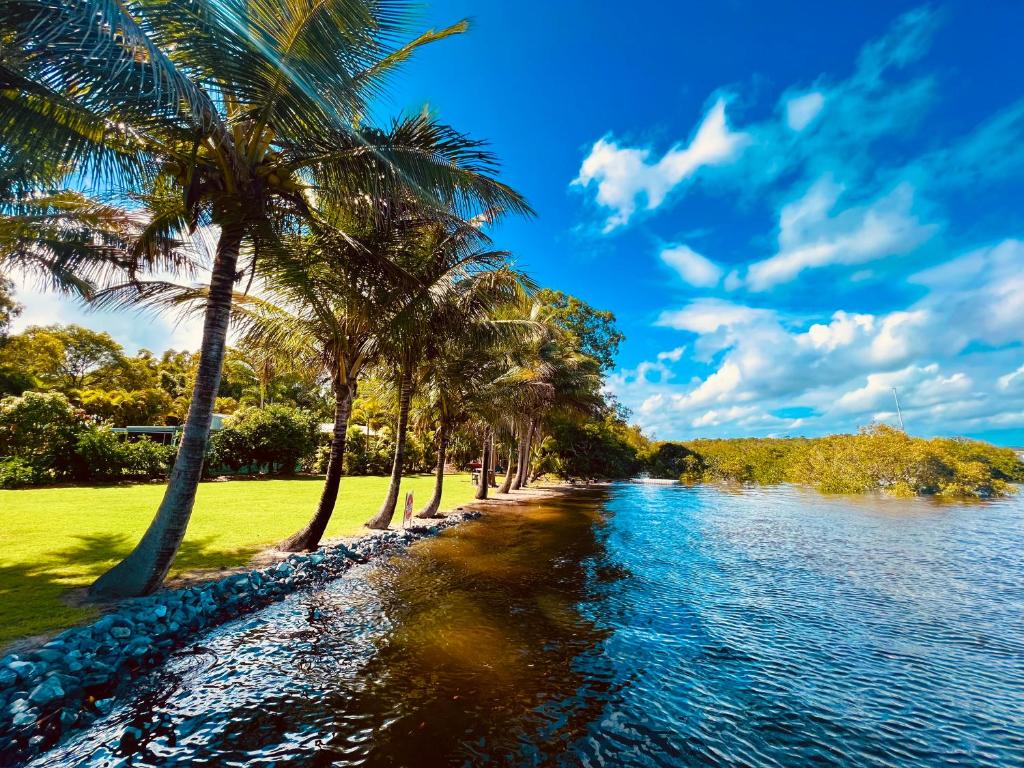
898, 411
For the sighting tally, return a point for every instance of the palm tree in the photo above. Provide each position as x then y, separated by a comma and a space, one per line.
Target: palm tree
475, 282
229, 114
469, 372
552, 376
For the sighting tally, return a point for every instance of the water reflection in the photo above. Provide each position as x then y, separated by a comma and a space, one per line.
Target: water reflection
638, 626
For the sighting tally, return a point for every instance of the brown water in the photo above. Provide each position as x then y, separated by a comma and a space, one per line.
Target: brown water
632, 626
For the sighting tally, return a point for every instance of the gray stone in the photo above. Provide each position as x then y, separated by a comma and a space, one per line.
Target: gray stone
28, 717
104, 705
160, 611
25, 670
47, 691
120, 632
19, 704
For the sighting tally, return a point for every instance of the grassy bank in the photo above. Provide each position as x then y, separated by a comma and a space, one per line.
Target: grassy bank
53, 540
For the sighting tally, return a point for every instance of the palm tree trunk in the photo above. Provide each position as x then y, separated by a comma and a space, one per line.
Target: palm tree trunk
442, 453
507, 485
309, 537
518, 482
145, 568
492, 478
387, 510
485, 466
526, 458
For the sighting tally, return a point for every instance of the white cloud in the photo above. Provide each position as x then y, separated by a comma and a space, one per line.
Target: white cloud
709, 315
626, 175
813, 234
1012, 380
672, 355
839, 371
801, 110
695, 269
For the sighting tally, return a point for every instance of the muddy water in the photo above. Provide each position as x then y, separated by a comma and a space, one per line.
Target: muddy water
632, 626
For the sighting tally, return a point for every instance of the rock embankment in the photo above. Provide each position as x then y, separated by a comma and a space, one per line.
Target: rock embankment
72, 679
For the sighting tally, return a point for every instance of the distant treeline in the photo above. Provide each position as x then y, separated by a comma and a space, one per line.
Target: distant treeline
878, 458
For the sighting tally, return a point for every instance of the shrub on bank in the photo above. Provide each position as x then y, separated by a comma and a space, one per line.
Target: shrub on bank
44, 439
273, 439
878, 458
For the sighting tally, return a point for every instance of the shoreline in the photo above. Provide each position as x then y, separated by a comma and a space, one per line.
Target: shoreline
73, 678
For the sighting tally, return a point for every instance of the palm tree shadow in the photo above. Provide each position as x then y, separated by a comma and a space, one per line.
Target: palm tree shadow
44, 587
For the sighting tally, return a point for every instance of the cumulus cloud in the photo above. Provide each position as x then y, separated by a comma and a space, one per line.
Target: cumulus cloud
812, 233
626, 177
695, 269
841, 369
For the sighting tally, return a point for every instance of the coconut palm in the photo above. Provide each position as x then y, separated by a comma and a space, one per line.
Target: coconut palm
476, 282
231, 114
468, 373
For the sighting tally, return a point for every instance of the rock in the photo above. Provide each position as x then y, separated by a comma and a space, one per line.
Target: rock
120, 632
47, 691
17, 705
68, 717
25, 670
28, 717
104, 705
8, 677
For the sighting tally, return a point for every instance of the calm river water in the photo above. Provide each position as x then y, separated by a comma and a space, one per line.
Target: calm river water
631, 626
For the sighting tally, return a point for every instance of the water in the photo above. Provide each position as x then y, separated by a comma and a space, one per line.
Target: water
633, 626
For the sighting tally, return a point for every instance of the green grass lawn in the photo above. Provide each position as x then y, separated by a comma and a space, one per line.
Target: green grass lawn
57, 539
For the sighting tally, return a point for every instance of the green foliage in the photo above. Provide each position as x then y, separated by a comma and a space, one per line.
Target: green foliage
41, 429
120, 408
589, 450
9, 308
62, 357
16, 473
103, 456
274, 439
878, 458
592, 330
674, 461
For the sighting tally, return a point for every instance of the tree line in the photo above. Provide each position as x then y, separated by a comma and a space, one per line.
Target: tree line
215, 159
877, 458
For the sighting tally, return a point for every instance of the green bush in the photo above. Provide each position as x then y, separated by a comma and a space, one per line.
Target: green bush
103, 456
274, 439
675, 461
41, 429
16, 473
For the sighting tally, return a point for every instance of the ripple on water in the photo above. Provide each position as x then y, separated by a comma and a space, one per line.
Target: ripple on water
638, 626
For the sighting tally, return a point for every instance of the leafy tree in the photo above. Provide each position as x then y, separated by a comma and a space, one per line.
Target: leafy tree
588, 450
41, 429
120, 408
276, 437
63, 357
673, 461
593, 330
9, 308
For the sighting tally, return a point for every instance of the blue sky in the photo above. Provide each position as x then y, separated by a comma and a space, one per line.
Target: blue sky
791, 207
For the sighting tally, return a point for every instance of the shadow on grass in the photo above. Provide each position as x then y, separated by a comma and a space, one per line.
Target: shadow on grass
47, 596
